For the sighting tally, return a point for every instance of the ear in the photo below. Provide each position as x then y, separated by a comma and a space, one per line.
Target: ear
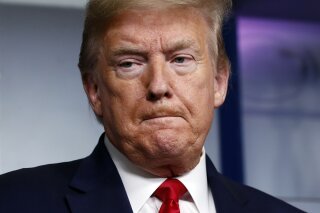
91, 88
221, 83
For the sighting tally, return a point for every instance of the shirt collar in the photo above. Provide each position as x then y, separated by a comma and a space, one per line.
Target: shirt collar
140, 185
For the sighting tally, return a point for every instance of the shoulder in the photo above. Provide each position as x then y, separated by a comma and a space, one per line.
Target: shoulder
30, 177
256, 200
25, 187
237, 197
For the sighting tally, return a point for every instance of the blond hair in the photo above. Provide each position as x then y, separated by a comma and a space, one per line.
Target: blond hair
99, 12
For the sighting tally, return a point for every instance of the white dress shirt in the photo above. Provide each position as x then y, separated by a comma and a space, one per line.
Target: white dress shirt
140, 186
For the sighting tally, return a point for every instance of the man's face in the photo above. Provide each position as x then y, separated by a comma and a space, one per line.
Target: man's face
156, 88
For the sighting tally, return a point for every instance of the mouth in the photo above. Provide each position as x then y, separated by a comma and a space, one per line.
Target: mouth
162, 116
163, 122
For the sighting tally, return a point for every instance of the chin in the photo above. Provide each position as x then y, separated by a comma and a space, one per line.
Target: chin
171, 141
171, 148
175, 169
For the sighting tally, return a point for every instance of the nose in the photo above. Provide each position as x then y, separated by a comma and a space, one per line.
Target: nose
158, 86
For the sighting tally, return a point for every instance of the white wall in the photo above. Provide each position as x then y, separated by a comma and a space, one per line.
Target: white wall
44, 115
56, 3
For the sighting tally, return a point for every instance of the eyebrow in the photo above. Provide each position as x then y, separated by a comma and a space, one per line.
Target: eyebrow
182, 45
168, 49
127, 50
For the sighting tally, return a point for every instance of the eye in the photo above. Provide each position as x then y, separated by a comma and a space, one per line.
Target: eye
129, 68
126, 64
180, 60
183, 63
129, 65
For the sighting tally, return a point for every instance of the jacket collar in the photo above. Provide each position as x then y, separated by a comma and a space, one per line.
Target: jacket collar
96, 186
227, 195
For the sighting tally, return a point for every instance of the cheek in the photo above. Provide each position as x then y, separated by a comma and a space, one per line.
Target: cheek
199, 90
197, 95
120, 102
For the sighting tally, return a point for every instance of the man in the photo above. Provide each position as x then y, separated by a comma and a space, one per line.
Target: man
154, 71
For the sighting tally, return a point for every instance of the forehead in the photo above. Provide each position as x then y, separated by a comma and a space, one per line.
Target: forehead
151, 26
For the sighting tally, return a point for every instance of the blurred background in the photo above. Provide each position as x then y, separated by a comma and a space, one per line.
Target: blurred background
267, 134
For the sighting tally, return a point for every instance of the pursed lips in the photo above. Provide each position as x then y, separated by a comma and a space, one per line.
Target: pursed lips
162, 116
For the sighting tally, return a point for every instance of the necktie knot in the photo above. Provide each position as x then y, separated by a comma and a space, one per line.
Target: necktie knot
169, 193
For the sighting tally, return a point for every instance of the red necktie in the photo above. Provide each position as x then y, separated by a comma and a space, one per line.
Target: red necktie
169, 193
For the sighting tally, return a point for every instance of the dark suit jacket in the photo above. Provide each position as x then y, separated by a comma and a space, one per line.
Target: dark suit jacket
93, 185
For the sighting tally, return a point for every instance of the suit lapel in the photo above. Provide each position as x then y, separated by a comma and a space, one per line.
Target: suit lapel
227, 197
97, 186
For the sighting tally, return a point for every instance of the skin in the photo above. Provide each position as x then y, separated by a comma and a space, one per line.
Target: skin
156, 87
